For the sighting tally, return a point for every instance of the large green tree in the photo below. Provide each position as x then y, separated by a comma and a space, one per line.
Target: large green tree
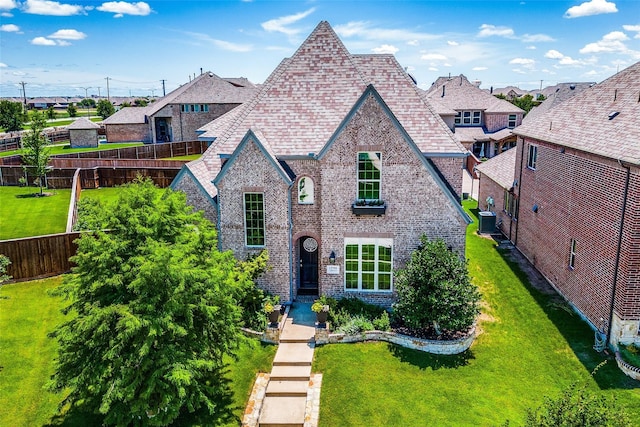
72, 110
434, 289
105, 108
35, 150
156, 309
11, 115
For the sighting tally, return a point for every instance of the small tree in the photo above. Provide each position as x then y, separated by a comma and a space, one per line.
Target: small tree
88, 103
51, 113
35, 152
141, 102
105, 108
72, 110
156, 310
434, 289
4, 263
11, 116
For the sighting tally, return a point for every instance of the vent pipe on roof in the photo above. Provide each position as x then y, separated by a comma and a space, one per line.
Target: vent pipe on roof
491, 90
443, 86
615, 94
200, 70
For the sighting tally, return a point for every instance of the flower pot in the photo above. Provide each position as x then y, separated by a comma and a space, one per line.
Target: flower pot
322, 316
275, 314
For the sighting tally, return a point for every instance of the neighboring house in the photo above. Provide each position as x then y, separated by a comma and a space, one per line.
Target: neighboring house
481, 122
556, 95
177, 116
509, 92
336, 167
578, 186
83, 133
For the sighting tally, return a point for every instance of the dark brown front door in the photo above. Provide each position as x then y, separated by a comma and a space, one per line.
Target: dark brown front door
308, 266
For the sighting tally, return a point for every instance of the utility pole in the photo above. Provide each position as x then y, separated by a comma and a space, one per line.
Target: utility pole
24, 97
85, 97
108, 89
163, 91
98, 92
540, 85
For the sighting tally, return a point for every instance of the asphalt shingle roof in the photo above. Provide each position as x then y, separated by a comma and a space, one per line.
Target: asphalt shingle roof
500, 168
602, 120
556, 95
83, 123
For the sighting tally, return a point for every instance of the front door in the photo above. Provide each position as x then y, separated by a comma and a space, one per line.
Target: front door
308, 266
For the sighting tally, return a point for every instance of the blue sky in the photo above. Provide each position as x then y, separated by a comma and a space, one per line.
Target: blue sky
63, 47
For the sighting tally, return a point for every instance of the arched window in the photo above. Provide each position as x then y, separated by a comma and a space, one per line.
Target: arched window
305, 191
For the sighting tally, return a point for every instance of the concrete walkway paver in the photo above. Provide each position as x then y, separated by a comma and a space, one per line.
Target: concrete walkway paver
292, 397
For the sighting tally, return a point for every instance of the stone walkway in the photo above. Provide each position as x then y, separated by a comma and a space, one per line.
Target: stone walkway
290, 395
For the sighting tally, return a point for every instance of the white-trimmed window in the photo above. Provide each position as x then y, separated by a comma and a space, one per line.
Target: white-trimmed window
510, 204
254, 219
468, 118
369, 175
305, 191
512, 121
572, 254
532, 159
368, 264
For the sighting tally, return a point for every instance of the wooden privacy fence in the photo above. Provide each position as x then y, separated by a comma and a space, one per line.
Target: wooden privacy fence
40, 256
147, 151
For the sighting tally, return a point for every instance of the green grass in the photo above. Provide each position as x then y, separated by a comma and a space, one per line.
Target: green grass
27, 314
529, 347
105, 194
66, 148
22, 215
630, 354
187, 157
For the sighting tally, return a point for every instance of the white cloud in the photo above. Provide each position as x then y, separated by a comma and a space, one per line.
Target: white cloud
633, 29
121, 8
487, 30
452, 43
432, 69
553, 54
10, 28
525, 62
433, 57
6, 15
366, 31
537, 38
413, 43
385, 48
612, 42
68, 34
593, 7
3, 65
43, 41
531, 48
279, 25
479, 69
221, 44
52, 8
519, 71
8, 4
63, 43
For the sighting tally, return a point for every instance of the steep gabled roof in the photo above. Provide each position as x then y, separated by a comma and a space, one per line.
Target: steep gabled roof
556, 95
601, 120
83, 123
458, 93
305, 99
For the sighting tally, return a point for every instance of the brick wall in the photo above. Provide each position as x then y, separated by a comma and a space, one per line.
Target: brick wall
83, 137
140, 132
580, 196
495, 122
196, 198
490, 188
184, 125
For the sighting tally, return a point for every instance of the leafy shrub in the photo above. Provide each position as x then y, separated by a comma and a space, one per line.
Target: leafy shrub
352, 315
355, 325
382, 323
435, 289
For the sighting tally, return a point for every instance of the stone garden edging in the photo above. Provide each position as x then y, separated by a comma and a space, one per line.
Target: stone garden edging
629, 370
430, 346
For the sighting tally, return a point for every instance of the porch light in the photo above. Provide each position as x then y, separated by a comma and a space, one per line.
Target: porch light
332, 257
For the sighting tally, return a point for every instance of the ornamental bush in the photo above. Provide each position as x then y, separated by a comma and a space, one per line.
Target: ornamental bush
434, 290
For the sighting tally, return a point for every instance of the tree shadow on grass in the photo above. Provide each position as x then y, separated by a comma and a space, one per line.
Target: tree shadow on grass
424, 360
82, 416
573, 328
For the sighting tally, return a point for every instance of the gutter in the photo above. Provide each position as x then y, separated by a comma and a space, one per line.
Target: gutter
615, 273
515, 242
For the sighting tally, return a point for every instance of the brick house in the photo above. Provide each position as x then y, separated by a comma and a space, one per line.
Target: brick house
577, 169
177, 116
83, 133
481, 122
336, 167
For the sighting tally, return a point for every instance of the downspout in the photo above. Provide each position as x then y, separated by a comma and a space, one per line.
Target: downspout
289, 197
218, 220
615, 273
515, 243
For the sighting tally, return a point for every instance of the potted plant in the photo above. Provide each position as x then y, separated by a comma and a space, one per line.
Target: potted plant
321, 310
272, 308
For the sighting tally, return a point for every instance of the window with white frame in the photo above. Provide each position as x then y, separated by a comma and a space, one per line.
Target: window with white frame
532, 159
369, 176
512, 121
468, 118
368, 264
254, 219
572, 254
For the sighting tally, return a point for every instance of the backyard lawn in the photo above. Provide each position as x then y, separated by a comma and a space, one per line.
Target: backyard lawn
530, 346
27, 314
105, 194
66, 148
22, 215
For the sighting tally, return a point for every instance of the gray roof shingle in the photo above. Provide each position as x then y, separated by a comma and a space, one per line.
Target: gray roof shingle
82, 123
602, 119
500, 168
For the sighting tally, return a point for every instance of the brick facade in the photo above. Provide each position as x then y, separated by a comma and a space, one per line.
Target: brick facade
495, 122
137, 132
83, 138
184, 124
580, 196
196, 197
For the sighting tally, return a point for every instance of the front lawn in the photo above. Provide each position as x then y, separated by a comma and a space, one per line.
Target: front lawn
22, 215
27, 314
530, 346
